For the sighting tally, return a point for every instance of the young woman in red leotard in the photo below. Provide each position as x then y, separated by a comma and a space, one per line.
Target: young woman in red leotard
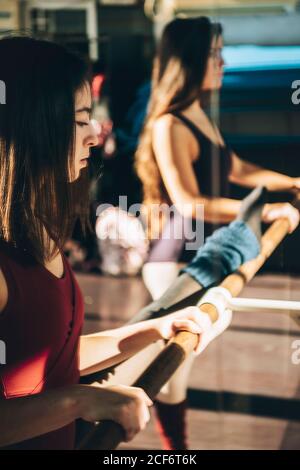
46, 137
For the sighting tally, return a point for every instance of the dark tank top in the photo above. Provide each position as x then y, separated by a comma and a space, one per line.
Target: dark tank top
212, 169
40, 326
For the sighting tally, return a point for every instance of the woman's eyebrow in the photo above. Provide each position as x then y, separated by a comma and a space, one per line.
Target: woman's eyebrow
85, 109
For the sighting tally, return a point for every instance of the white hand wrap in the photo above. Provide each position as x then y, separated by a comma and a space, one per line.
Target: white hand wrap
220, 298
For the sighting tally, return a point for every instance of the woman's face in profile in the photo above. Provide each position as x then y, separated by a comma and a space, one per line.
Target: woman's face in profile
215, 64
86, 130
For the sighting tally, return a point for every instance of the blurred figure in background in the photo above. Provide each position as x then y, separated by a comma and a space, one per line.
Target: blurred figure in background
182, 160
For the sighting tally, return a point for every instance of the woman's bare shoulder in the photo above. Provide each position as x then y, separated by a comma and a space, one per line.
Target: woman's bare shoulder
3, 291
169, 128
167, 121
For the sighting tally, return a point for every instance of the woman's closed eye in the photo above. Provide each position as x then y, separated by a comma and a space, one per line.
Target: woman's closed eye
82, 124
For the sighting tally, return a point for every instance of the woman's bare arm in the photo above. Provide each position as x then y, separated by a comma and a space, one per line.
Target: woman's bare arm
247, 174
3, 292
105, 349
28, 417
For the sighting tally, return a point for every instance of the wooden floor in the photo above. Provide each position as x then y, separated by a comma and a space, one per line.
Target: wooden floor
244, 391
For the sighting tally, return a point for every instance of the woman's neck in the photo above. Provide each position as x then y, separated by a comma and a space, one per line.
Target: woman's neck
195, 107
195, 110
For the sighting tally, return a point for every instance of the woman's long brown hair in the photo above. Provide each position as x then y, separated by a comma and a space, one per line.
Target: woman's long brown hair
38, 204
178, 72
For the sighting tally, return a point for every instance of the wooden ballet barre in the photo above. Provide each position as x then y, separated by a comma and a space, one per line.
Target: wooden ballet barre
107, 435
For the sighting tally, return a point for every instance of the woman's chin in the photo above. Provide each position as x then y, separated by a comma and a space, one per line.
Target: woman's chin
217, 85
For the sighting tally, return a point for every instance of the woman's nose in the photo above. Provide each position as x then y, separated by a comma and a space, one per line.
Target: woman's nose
94, 131
222, 61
